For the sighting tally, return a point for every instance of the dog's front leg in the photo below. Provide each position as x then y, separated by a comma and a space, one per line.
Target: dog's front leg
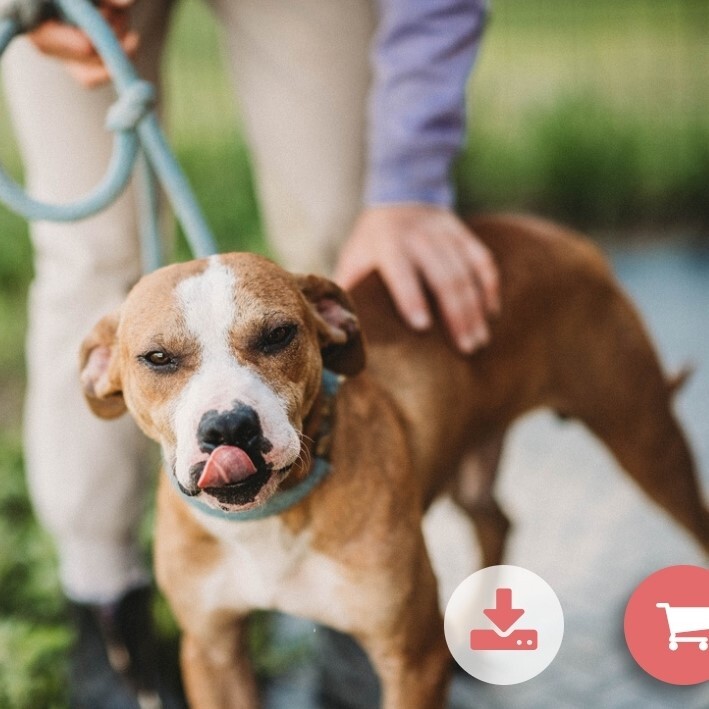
413, 671
414, 681
217, 671
411, 658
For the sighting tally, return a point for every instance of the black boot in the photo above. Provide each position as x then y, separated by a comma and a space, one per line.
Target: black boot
347, 678
116, 663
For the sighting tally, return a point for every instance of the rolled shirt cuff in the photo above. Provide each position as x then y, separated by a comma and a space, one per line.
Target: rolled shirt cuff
407, 183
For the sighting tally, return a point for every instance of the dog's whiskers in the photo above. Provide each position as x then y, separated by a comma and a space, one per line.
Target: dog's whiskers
305, 456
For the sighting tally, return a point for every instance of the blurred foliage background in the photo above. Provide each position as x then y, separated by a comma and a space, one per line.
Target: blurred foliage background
595, 113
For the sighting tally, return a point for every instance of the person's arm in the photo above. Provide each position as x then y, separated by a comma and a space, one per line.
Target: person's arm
423, 54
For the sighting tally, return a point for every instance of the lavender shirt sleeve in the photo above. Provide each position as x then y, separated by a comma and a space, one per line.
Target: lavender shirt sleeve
423, 54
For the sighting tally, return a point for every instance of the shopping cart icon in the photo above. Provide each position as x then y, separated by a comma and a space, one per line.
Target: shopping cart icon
683, 619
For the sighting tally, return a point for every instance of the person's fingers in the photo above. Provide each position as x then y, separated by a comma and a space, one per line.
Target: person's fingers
62, 41
88, 75
351, 267
92, 73
368, 251
420, 249
459, 300
482, 265
66, 42
129, 43
402, 282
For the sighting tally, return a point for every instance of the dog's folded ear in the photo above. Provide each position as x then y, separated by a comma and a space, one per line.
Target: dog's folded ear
100, 378
338, 327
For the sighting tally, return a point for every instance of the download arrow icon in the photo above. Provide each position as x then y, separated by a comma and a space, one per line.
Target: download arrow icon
504, 616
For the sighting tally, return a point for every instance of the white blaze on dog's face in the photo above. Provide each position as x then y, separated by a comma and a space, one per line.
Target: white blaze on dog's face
227, 400
219, 360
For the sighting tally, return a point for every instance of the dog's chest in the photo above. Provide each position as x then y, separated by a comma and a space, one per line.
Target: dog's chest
265, 566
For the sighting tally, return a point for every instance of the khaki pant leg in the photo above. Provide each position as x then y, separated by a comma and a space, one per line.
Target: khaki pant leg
302, 74
87, 477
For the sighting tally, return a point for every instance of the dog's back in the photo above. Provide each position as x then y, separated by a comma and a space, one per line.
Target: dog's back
568, 339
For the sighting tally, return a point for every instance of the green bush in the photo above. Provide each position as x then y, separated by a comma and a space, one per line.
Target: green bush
589, 165
581, 161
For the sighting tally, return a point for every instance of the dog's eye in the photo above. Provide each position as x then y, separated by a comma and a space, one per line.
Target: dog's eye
278, 338
158, 359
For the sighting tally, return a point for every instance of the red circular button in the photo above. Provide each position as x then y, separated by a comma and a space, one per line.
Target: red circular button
667, 625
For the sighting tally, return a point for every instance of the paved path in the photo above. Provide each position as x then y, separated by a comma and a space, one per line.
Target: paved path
584, 527
598, 537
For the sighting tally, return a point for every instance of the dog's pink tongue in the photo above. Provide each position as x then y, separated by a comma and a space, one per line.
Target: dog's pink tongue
226, 465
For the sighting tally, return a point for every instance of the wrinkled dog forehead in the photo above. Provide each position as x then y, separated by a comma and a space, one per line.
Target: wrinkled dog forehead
234, 288
231, 309
207, 304
211, 294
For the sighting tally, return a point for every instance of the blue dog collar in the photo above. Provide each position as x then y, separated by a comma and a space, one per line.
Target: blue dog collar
283, 499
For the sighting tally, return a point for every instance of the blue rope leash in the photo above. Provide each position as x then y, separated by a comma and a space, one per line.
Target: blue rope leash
136, 129
132, 119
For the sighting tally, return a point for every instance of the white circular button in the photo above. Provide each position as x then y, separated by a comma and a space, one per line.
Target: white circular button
504, 624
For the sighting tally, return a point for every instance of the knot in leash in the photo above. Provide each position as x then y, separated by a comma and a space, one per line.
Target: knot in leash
25, 14
136, 128
133, 104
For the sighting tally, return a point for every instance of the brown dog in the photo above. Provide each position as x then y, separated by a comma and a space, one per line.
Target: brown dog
220, 361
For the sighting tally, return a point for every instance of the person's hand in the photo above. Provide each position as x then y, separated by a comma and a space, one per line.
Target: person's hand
74, 48
414, 246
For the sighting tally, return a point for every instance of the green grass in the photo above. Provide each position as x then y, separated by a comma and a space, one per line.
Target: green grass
594, 112
33, 633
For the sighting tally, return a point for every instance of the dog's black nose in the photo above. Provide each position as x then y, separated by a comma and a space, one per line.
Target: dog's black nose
239, 427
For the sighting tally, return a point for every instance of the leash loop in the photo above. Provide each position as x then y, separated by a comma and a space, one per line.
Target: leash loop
136, 127
133, 104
